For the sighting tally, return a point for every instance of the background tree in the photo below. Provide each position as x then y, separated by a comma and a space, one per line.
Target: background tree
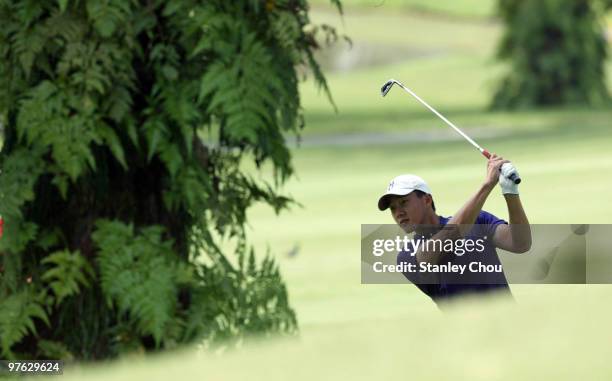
127, 126
555, 50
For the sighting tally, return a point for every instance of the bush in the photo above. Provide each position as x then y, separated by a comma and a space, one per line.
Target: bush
127, 125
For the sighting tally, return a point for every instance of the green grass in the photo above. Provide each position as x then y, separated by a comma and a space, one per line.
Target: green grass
411, 30
550, 335
349, 330
456, 8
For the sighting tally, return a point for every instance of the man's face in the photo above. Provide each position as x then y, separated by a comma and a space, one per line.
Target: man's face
409, 211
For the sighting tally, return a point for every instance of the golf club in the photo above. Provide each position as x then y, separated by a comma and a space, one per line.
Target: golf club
513, 176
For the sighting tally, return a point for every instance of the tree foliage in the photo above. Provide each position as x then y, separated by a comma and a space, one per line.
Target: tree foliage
127, 125
556, 52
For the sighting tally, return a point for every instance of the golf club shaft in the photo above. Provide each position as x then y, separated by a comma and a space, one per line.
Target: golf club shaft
513, 176
472, 142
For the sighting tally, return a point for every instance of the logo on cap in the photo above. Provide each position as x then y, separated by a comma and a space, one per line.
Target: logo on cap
391, 185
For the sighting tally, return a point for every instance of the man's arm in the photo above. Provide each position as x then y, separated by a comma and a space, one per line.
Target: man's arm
461, 221
515, 237
468, 213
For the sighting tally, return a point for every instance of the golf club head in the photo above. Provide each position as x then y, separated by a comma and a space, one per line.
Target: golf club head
387, 86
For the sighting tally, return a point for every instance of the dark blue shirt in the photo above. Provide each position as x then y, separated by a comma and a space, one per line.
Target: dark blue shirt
450, 285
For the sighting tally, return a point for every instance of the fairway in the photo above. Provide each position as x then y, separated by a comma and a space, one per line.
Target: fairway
345, 163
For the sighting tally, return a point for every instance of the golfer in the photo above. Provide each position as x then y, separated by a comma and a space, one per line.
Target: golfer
412, 207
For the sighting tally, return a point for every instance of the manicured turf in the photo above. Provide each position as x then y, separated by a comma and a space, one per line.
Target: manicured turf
456, 8
552, 334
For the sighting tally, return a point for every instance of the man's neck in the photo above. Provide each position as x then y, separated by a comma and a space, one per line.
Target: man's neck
432, 219
429, 225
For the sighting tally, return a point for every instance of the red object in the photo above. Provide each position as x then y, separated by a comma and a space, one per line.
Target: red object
486, 154
1, 226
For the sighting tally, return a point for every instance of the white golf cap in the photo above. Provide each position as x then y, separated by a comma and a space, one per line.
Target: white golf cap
401, 186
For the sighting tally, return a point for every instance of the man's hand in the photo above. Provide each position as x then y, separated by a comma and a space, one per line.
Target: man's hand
508, 186
493, 168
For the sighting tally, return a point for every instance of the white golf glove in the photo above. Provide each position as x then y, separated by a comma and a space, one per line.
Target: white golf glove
508, 186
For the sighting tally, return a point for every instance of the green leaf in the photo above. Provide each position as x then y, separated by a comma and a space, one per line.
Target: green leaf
146, 290
61, 182
155, 132
63, 4
132, 132
17, 314
54, 350
172, 158
68, 273
106, 15
170, 73
112, 140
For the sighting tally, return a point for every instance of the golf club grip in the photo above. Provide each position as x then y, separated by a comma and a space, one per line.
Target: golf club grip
514, 177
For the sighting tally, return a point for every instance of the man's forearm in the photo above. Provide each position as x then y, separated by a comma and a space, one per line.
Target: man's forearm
519, 224
469, 211
516, 214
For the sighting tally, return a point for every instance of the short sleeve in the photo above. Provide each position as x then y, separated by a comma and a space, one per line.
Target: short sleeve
489, 222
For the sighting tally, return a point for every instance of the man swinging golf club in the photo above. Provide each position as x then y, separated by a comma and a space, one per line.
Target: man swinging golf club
412, 208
